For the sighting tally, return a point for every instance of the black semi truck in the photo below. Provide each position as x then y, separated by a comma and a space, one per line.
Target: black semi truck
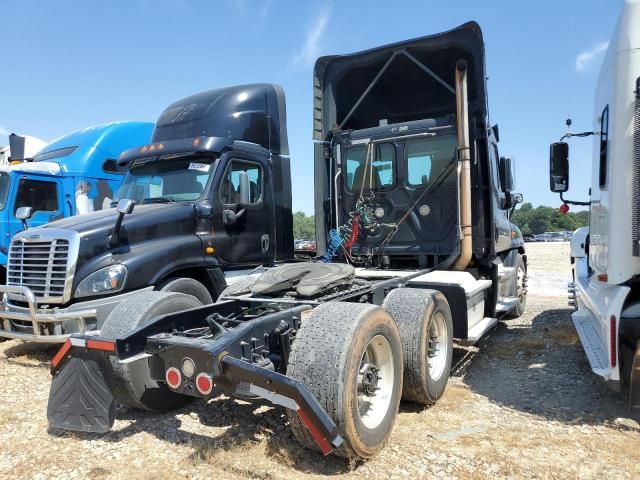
186, 230
415, 249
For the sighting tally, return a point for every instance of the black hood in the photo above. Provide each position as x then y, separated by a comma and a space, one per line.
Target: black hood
145, 223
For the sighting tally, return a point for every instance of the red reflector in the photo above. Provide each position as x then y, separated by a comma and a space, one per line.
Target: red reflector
204, 384
325, 447
614, 341
61, 353
173, 377
101, 345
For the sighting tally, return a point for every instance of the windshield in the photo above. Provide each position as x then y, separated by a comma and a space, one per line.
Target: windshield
164, 180
5, 183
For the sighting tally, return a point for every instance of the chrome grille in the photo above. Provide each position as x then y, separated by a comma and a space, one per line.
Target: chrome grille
40, 265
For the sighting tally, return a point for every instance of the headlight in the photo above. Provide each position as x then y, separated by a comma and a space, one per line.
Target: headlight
103, 282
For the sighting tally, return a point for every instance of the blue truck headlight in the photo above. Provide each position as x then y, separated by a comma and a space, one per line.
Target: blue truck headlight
107, 280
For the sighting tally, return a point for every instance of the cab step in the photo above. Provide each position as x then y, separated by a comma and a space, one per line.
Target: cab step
593, 348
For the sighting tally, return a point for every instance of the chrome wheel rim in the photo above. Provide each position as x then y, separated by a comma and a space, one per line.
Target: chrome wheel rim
375, 382
438, 346
520, 292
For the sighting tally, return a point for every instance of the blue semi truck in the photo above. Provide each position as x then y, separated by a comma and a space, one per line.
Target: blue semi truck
72, 175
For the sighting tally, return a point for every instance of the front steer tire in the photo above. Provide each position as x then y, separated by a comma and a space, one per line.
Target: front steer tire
415, 310
521, 292
188, 286
328, 356
132, 382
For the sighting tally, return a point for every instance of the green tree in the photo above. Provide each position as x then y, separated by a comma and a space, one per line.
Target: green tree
547, 219
304, 227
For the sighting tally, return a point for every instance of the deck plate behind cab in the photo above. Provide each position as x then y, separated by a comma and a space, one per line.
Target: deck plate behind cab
308, 279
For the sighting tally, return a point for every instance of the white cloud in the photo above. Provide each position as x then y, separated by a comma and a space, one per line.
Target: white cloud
587, 60
4, 132
311, 47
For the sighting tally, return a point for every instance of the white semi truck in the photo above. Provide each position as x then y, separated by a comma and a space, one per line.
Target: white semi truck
606, 255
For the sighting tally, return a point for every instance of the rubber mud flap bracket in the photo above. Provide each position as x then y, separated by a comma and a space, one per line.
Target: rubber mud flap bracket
80, 398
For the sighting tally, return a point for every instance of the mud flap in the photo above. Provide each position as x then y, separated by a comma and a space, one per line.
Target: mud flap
634, 383
80, 398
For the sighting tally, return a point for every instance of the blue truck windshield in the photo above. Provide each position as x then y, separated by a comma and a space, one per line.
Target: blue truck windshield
160, 181
5, 183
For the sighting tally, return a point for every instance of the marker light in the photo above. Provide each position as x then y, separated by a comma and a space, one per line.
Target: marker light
614, 341
188, 367
173, 377
204, 384
564, 208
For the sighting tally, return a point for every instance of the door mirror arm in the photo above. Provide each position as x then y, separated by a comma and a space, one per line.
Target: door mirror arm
229, 217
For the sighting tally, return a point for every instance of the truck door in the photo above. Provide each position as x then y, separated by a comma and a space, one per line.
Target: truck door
44, 195
249, 238
502, 225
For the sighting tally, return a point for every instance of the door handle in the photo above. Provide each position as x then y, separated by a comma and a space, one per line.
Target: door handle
264, 242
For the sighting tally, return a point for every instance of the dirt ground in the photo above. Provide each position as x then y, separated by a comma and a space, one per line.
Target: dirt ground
521, 404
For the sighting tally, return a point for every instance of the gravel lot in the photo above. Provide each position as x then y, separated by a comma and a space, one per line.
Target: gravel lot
523, 403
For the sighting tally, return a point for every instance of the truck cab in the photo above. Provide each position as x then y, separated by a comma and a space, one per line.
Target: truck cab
605, 256
396, 146
209, 196
74, 174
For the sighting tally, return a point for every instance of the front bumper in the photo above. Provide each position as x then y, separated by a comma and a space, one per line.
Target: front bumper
52, 325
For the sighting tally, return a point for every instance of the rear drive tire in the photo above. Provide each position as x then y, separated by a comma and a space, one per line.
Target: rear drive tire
521, 291
426, 329
132, 382
188, 286
349, 355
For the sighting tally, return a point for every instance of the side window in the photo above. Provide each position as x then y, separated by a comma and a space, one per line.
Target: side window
230, 190
110, 166
39, 195
427, 159
378, 175
604, 141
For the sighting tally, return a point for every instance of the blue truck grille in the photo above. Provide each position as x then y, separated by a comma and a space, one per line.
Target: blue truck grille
41, 266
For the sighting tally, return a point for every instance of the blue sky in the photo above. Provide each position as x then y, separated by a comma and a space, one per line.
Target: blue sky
67, 65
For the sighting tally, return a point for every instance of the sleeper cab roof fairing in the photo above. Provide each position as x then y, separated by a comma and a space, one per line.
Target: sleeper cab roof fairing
254, 113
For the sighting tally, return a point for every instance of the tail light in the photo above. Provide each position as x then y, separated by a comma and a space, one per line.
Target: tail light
173, 377
204, 383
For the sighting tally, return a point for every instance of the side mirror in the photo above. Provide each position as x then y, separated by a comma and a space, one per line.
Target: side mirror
125, 206
24, 213
516, 199
505, 170
244, 189
559, 167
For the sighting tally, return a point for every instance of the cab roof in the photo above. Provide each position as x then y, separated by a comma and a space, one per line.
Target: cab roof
84, 151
